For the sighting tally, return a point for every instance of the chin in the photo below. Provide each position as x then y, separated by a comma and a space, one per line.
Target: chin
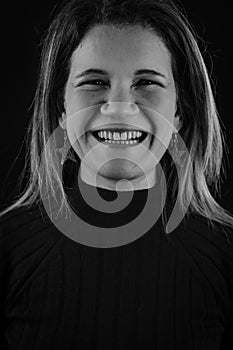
119, 172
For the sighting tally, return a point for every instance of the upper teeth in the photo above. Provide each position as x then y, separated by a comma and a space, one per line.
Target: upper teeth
126, 135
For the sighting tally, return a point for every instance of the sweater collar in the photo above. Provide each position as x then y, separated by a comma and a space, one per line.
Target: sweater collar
110, 208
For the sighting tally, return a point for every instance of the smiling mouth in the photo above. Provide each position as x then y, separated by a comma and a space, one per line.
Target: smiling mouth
121, 143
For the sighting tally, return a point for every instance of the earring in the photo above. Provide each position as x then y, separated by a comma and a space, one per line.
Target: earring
176, 154
65, 151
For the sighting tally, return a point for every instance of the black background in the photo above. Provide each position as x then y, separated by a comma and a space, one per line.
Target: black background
22, 28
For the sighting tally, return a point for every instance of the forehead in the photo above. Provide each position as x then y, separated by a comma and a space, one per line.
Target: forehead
128, 47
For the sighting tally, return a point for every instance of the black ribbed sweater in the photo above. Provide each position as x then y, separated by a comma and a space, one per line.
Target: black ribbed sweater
158, 292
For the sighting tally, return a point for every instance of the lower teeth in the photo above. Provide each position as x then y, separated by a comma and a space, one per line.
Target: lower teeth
122, 142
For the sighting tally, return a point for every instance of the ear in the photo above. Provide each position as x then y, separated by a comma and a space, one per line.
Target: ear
178, 122
62, 121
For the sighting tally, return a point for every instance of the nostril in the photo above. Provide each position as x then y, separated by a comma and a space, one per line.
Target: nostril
122, 108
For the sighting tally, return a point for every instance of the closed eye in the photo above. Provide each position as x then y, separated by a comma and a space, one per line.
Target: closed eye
91, 82
95, 81
153, 82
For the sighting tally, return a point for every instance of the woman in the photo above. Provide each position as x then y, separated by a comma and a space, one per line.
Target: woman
126, 86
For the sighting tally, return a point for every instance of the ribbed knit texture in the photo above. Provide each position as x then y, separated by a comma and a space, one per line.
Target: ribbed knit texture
159, 292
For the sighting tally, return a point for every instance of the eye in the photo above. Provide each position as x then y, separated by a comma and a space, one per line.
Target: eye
147, 81
150, 82
92, 82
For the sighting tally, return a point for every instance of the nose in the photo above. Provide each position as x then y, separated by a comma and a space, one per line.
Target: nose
119, 109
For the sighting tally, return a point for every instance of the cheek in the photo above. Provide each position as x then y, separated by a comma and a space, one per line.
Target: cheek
162, 123
160, 99
167, 116
164, 132
76, 104
84, 99
161, 112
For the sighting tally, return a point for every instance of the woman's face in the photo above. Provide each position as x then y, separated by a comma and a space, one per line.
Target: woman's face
119, 54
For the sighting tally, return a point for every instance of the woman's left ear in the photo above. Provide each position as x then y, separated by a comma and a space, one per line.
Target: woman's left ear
178, 122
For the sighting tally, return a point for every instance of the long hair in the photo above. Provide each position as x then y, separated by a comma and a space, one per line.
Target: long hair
201, 130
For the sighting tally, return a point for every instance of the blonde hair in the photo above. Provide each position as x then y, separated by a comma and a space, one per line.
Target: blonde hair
201, 130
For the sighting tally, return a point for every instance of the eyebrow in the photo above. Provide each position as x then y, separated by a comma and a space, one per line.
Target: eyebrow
103, 72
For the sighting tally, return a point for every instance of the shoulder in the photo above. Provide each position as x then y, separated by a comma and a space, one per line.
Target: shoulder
23, 215
199, 232
26, 238
208, 239
209, 250
24, 223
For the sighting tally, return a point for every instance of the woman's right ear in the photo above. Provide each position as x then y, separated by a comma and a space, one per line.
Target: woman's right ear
62, 121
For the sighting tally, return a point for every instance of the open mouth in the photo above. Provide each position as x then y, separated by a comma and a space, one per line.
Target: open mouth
136, 138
